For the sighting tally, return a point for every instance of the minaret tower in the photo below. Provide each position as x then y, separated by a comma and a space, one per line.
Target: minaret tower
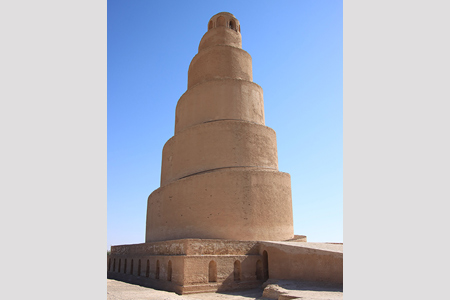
219, 177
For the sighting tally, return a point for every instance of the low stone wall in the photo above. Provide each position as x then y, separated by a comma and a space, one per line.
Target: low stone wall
200, 265
188, 266
304, 261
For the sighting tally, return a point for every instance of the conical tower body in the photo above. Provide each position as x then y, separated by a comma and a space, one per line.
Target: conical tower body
220, 177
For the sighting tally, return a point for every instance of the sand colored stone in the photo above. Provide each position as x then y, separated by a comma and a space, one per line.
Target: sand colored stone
234, 99
234, 144
222, 218
207, 265
219, 174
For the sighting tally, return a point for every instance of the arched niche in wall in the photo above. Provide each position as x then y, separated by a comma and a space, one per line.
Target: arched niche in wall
212, 271
237, 270
220, 21
139, 268
157, 270
169, 271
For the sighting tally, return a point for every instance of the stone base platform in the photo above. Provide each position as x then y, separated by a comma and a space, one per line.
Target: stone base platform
188, 266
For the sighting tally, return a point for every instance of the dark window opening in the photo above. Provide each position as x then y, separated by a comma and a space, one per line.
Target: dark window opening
237, 270
169, 271
139, 268
157, 270
131, 267
212, 271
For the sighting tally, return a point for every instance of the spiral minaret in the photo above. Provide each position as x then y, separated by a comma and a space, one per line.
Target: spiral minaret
219, 175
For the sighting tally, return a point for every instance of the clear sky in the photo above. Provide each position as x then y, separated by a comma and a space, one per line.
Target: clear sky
297, 56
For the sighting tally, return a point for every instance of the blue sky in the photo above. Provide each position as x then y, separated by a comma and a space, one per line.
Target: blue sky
297, 55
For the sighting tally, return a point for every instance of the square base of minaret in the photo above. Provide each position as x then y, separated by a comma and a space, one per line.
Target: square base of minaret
208, 265
188, 265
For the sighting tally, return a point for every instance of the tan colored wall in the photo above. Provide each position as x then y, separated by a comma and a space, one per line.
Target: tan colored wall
188, 247
190, 265
198, 267
220, 36
220, 61
219, 175
177, 266
232, 143
220, 99
235, 203
302, 263
177, 274
190, 260
178, 247
221, 247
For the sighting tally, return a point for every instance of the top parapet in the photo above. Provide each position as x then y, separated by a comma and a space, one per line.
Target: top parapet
223, 29
224, 19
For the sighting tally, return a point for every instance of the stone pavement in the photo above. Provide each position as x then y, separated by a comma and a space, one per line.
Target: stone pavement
118, 290
274, 289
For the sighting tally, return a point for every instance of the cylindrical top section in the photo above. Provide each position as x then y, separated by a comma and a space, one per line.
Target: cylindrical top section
223, 29
224, 19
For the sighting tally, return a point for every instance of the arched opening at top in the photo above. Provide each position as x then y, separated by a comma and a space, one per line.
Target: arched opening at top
220, 21
265, 265
210, 25
237, 270
232, 25
157, 270
212, 271
169, 271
